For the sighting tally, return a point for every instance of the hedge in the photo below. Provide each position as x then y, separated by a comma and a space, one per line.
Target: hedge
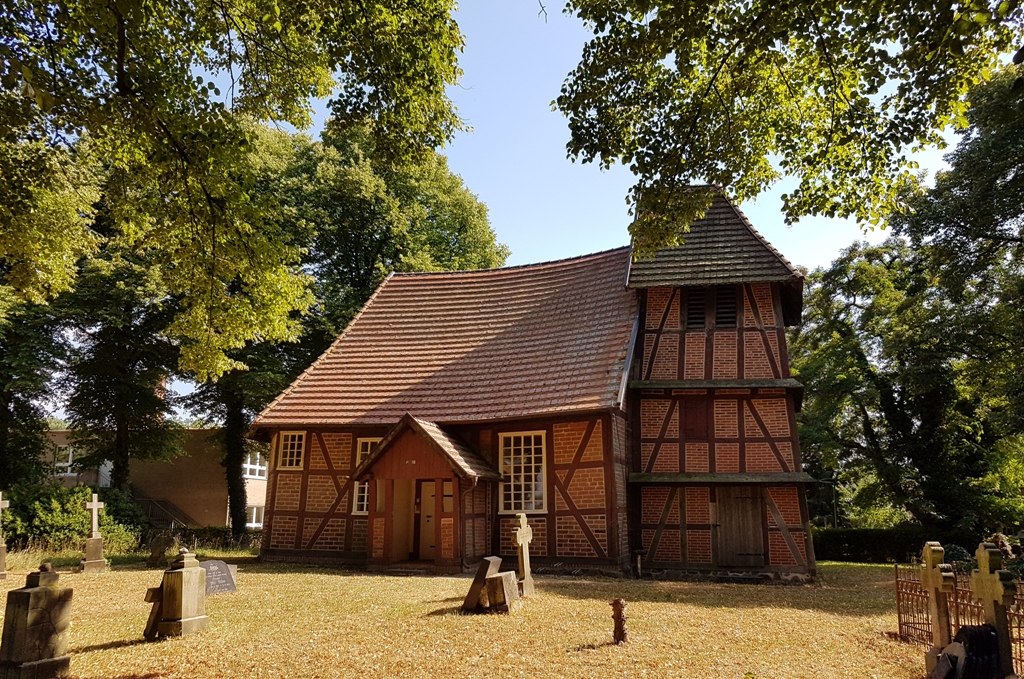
900, 544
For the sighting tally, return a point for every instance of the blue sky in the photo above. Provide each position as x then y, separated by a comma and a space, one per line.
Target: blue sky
541, 204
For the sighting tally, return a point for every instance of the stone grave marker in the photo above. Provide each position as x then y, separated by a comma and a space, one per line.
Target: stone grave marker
937, 579
620, 634
524, 535
476, 599
995, 589
179, 603
35, 634
94, 561
503, 592
159, 545
4, 504
220, 577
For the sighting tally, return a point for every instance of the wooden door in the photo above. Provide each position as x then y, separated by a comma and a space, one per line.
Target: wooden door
740, 532
427, 503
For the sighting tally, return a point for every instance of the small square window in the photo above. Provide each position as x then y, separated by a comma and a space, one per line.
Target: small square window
290, 450
254, 466
254, 516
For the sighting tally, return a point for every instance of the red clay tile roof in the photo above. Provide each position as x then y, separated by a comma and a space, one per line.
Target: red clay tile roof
474, 346
464, 461
721, 248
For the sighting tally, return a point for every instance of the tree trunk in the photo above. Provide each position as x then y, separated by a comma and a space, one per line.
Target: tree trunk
122, 459
234, 456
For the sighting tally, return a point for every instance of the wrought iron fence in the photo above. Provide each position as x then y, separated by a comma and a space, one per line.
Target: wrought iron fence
915, 624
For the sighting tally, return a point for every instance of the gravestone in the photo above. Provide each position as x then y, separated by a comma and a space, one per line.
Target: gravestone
35, 635
94, 561
524, 535
220, 577
937, 579
476, 599
619, 633
503, 592
4, 504
179, 603
995, 589
159, 545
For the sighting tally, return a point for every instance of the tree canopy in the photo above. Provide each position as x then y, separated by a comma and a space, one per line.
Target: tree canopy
160, 97
736, 94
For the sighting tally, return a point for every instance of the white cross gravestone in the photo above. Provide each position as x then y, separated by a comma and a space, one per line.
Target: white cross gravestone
94, 561
4, 504
524, 534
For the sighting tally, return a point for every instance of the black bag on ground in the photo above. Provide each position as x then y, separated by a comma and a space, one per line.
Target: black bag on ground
978, 647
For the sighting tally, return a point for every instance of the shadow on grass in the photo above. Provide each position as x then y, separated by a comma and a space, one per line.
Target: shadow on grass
591, 647
124, 643
447, 610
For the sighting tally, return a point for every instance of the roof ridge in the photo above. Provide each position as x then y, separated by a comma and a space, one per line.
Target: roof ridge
757, 234
324, 353
407, 274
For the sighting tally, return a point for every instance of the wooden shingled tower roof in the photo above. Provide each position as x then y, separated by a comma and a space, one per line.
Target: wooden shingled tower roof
474, 346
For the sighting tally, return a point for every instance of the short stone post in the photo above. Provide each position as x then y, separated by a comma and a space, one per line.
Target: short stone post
503, 593
35, 636
4, 504
937, 579
524, 535
620, 633
996, 589
179, 603
94, 561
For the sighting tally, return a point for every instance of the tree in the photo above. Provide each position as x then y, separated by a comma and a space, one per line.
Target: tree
362, 215
31, 351
900, 403
119, 404
736, 94
164, 93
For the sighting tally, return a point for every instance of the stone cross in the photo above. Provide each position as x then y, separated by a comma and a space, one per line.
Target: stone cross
996, 589
937, 579
95, 506
524, 534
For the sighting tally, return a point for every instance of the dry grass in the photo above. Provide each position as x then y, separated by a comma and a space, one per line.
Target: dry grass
299, 621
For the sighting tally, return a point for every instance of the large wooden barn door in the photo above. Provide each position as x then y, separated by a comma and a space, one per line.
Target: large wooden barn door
740, 536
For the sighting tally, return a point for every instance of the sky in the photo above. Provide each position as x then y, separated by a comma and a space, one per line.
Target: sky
541, 204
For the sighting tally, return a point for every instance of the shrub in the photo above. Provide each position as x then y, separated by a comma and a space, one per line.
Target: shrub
55, 517
899, 544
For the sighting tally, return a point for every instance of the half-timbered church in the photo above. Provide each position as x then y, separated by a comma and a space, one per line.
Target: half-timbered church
633, 410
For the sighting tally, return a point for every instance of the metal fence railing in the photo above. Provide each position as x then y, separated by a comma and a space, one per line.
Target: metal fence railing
914, 619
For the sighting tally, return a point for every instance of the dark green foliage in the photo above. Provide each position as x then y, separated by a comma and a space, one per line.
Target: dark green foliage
54, 517
31, 350
900, 544
217, 537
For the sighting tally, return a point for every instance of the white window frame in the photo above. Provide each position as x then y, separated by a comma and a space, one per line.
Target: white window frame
361, 491
542, 507
62, 466
254, 470
251, 515
293, 464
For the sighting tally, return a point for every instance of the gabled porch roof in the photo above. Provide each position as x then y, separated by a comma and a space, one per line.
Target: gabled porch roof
465, 462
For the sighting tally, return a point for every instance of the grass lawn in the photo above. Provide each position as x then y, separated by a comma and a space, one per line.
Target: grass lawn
291, 620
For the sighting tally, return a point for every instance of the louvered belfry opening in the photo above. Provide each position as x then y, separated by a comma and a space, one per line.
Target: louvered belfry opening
725, 306
695, 308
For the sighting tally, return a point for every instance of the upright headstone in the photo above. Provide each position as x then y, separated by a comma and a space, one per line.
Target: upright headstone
94, 561
937, 579
4, 504
503, 592
179, 603
619, 632
995, 589
477, 596
159, 545
220, 577
524, 535
35, 640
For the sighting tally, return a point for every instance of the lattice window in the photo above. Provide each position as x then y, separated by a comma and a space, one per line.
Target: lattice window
290, 450
254, 466
522, 472
63, 460
725, 306
695, 305
254, 516
361, 497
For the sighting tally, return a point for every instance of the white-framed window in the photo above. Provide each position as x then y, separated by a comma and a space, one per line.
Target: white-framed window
254, 466
290, 449
361, 496
63, 459
522, 472
254, 516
